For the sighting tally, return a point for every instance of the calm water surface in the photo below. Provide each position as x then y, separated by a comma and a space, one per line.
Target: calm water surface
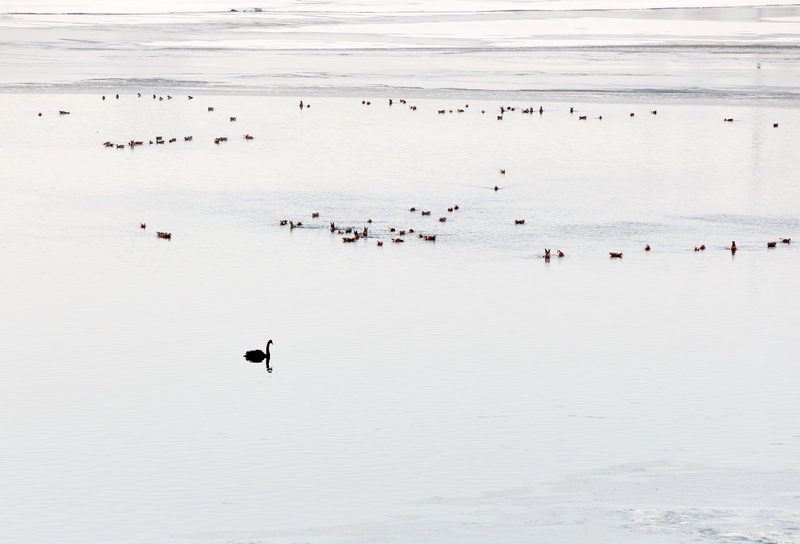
458, 391
457, 388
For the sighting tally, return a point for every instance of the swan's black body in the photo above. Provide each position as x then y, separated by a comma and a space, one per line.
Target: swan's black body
258, 356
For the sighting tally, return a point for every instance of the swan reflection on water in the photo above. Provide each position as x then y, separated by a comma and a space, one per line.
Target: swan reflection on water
258, 356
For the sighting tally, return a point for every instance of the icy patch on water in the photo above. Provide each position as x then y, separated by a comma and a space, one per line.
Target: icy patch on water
759, 526
702, 503
371, 6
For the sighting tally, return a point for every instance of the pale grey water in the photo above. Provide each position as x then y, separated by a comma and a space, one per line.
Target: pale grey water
559, 49
462, 391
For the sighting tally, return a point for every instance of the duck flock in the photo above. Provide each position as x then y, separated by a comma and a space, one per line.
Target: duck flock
502, 112
156, 140
396, 235
352, 234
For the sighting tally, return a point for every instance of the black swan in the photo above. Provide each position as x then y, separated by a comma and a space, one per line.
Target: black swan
257, 356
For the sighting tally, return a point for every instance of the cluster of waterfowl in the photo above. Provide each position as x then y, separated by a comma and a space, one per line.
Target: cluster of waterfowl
702, 247
398, 235
134, 143
529, 110
292, 224
559, 253
160, 139
352, 234
733, 247
163, 235
782, 240
502, 111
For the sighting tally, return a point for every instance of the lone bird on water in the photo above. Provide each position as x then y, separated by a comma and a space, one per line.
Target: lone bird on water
258, 356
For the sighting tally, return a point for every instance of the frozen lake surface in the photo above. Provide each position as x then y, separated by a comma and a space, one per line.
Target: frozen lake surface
558, 49
462, 390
